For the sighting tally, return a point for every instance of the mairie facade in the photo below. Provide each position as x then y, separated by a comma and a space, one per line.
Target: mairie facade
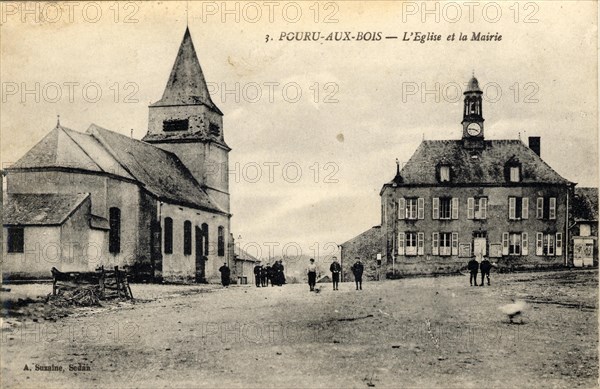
473, 197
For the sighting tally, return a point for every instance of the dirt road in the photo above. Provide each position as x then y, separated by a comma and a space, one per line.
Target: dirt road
428, 332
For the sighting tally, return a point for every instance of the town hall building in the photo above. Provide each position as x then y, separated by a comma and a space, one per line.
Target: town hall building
160, 206
471, 197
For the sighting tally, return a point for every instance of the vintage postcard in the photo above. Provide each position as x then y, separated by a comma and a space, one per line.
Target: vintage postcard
299, 194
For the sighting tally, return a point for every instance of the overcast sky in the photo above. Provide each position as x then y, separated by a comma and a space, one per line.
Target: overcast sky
540, 79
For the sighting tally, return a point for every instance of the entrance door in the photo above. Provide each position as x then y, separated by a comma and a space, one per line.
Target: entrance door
479, 247
200, 262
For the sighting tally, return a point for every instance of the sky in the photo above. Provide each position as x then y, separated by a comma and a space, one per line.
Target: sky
315, 127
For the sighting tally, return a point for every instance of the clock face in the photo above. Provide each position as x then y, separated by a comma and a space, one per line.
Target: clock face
474, 129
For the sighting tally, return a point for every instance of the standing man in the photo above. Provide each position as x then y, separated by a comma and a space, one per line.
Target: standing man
485, 266
473, 266
225, 273
357, 270
263, 277
335, 270
257, 274
311, 271
281, 274
269, 271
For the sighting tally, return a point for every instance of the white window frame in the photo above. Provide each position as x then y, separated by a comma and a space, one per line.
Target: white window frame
539, 208
420, 208
471, 208
401, 208
445, 244
435, 243
435, 207
410, 243
401, 243
420, 243
411, 208
444, 173
515, 242
515, 174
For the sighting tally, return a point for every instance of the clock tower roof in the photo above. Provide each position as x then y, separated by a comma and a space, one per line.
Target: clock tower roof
473, 85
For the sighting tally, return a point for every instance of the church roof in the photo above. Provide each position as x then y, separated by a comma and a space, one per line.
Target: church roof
106, 152
49, 209
485, 166
186, 85
473, 85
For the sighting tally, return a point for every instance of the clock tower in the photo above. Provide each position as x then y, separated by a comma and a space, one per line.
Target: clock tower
473, 115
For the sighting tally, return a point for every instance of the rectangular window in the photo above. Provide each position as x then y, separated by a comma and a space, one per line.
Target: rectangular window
518, 208
410, 243
214, 129
411, 209
445, 243
559, 244
445, 208
514, 244
515, 174
479, 208
549, 244
187, 238
540, 208
444, 173
546, 208
114, 234
15, 240
168, 244
552, 210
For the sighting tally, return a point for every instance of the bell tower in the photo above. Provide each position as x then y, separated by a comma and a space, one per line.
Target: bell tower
186, 122
473, 115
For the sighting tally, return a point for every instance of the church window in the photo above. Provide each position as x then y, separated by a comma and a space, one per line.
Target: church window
187, 238
221, 242
168, 235
114, 234
205, 235
16, 240
176, 125
214, 129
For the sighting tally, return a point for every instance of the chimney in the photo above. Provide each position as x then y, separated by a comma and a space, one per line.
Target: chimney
535, 145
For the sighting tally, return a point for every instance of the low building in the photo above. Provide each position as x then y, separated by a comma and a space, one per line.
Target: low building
584, 227
243, 266
366, 246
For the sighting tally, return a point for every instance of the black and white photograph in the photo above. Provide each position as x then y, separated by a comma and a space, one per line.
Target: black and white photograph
299, 194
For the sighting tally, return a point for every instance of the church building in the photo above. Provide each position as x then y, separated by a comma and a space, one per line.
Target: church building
470, 197
159, 206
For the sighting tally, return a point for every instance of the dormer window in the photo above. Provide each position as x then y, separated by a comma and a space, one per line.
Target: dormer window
515, 174
444, 173
512, 170
175, 125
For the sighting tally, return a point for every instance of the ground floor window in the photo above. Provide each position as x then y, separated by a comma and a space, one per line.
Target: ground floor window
515, 243
411, 243
15, 240
549, 244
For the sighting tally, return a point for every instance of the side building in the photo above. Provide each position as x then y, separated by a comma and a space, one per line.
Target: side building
455, 199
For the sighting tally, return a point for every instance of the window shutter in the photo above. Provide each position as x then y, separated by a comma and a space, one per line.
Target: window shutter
524, 244
525, 208
540, 208
512, 206
552, 213
539, 243
420, 243
401, 208
455, 243
401, 238
559, 243
455, 208
470, 208
421, 208
436, 208
435, 249
551, 245
483, 207
505, 243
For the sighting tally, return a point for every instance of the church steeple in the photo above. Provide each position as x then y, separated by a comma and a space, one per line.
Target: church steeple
186, 85
473, 114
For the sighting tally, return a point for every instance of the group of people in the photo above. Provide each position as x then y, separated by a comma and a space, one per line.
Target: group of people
335, 268
263, 275
474, 266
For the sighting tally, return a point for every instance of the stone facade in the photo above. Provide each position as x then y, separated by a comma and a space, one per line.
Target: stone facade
366, 246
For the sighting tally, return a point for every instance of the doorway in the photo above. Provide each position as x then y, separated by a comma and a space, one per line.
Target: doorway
200, 260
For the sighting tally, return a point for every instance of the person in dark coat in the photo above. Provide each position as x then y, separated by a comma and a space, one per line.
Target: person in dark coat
485, 267
269, 270
357, 270
257, 274
263, 277
225, 273
275, 273
280, 274
335, 270
473, 267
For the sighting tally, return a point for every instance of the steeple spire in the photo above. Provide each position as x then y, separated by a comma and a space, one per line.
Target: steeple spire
186, 85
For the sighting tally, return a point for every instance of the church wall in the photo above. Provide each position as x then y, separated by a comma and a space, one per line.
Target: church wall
494, 225
199, 117
177, 267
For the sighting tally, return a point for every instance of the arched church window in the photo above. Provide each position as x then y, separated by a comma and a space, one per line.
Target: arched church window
168, 243
221, 242
205, 235
187, 237
114, 234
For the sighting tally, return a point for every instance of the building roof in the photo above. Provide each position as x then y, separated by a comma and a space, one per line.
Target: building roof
485, 166
585, 204
242, 255
368, 236
106, 152
186, 85
473, 85
40, 209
